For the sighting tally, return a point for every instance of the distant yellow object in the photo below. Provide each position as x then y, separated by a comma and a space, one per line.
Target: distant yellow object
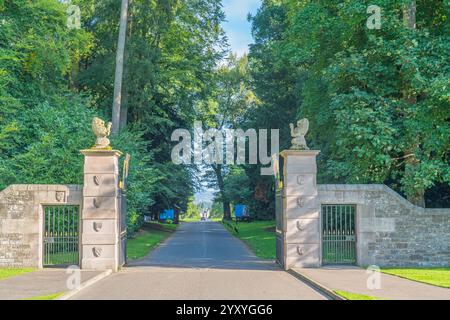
101, 133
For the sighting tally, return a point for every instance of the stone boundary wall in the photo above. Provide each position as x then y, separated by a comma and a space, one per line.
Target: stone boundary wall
391, 231
21, 220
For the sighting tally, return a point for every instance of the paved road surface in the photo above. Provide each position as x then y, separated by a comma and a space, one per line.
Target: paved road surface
204, 245
201, 261
354, 279
39, 283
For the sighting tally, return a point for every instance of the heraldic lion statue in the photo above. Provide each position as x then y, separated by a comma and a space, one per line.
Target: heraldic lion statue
102, 133
298, 134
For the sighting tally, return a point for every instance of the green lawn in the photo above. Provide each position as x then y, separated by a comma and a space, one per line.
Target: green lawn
12, 272
52, 296
61, 258
148, 238
356, 296
258, 235
435, 276
195, 219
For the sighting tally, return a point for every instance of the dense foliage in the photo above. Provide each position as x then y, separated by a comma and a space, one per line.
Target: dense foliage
54, 80
171, 50
224, 108
192, 211
43, 124
377, 100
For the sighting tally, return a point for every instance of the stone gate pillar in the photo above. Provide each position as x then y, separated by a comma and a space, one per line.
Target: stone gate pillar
298, 212
100, 230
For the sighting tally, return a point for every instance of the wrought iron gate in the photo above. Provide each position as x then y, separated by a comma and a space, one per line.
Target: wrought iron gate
61, 235
338, 234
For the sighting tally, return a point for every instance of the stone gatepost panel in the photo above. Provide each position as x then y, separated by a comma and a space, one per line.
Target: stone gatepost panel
300, 211
101, 211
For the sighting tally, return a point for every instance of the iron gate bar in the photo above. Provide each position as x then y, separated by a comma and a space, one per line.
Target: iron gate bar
338, 234
61, 235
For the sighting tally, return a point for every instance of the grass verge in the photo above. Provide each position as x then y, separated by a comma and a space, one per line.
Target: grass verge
435, 276
52, 296
258, 235
192, 219
355, 296
152, 234
12, 272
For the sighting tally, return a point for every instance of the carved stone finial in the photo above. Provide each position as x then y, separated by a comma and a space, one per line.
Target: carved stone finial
102, 133
298, 134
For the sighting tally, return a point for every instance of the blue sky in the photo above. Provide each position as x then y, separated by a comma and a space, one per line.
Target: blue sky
237, 27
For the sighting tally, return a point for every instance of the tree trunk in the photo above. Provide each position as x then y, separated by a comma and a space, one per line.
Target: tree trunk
418, 198
226, 210
176, 218
124, 112
409, 15
119, 68
225, 202
73, 83
126, 72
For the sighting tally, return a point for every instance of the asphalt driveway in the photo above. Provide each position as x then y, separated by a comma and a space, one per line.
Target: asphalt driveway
204, 245
201, 260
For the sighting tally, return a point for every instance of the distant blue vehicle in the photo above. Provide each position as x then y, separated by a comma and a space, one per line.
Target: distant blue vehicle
168, 214
241, 213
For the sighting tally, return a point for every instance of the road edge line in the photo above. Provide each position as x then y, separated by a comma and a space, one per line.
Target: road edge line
327, 292
84, 285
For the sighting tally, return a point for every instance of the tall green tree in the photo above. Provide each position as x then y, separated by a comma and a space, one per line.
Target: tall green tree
376, 99
275, 82
54, 79
171, 50
229, 100
37, 54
